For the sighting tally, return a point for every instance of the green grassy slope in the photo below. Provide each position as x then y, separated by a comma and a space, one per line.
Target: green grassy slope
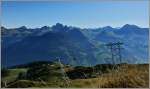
13, 73
126, 76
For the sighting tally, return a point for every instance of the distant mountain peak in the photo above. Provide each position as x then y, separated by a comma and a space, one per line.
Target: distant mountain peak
45, 27
107, 27
60, 27
57, 26
22, 27
128, 26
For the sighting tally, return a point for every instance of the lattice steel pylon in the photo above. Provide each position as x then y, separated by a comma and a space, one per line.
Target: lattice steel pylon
115, 49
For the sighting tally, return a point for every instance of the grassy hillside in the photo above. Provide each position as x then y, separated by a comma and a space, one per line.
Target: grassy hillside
99, 76
13, 73
127, 76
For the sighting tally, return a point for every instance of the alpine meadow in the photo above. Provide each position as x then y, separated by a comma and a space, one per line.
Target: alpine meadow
72, 44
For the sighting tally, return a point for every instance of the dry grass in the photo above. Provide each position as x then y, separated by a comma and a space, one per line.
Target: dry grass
127, 76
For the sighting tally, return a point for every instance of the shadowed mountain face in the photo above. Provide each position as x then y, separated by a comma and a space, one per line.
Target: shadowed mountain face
73, 45
63, 42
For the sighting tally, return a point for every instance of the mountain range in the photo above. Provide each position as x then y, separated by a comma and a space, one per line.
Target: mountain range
73, 45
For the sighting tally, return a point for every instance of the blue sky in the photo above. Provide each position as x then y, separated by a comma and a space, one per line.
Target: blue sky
80, 14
